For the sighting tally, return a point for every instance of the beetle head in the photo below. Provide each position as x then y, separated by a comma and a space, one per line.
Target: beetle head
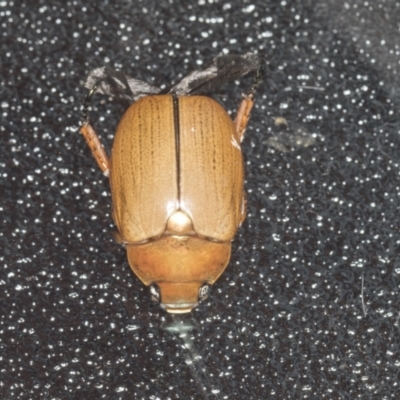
179, 298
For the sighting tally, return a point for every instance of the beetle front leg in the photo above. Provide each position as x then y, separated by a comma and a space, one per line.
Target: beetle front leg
96, 147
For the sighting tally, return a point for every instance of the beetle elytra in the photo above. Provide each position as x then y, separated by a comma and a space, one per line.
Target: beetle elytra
176, 176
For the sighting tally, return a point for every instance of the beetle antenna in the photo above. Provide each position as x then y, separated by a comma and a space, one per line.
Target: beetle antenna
258, 77
86, 104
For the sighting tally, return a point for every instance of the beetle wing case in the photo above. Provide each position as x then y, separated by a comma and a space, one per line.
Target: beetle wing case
211, 177
177, 157
143, 179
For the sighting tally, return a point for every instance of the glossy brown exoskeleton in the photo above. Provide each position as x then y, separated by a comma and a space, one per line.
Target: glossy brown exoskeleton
176, 176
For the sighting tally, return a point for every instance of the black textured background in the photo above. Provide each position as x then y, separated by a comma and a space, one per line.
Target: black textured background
287, 319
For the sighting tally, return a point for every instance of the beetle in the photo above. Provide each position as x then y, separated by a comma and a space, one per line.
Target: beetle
176, 176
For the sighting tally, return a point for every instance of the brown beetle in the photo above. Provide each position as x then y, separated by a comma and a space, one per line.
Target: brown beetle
176, 176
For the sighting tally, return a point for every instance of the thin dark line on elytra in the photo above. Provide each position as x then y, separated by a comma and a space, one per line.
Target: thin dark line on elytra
177, 143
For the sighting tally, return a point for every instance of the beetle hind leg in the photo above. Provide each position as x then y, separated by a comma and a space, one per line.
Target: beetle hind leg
243, 116
96, 147
91, 137
243, 113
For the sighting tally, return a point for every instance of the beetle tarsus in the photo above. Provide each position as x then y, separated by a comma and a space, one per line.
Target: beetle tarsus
86, 104
258, 77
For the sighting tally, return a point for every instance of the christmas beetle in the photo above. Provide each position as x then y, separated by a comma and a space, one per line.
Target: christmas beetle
176, 176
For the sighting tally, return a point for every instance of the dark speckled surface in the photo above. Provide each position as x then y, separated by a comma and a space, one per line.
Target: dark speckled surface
290, 318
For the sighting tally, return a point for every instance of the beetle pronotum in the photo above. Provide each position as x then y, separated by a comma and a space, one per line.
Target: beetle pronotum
176, 176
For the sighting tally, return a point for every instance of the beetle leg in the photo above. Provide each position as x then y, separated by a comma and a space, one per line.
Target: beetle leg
243, 210
91, 137
243, 114
96, 147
